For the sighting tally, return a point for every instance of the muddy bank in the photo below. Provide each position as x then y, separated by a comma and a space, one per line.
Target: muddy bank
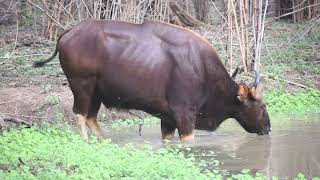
36, 104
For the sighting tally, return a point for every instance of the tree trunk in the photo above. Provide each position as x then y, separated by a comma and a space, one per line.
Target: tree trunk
201, 9
185, 19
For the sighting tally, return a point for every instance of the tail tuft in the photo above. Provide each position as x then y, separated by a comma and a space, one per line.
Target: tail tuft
39, 64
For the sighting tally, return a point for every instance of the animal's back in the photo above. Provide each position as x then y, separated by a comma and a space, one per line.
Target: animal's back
141, 66
130, 71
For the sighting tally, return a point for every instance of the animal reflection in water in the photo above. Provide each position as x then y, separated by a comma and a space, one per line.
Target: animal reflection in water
237, 153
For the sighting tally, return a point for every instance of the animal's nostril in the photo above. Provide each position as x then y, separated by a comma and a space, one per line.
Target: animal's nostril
260, 133
269, 128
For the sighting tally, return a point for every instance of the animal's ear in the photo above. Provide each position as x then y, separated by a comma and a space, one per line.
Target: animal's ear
243, 92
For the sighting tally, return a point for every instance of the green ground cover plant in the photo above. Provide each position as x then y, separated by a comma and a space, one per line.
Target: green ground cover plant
303, 101
51, 153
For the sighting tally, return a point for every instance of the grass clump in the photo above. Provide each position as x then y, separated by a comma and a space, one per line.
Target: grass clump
306, 101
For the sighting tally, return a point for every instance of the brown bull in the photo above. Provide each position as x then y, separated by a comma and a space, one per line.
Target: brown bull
165, 70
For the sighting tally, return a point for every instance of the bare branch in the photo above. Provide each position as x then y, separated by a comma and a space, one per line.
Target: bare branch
47, 14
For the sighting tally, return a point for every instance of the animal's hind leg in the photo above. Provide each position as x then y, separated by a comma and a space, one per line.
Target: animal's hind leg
84, 96
92, 115
82, 123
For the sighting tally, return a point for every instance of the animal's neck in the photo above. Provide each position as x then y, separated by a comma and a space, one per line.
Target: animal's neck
232, 104
221, 105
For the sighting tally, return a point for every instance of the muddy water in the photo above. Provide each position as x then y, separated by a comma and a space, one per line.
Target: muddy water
293, 146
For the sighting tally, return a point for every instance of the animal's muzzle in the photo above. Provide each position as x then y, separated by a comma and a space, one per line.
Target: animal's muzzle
265, 131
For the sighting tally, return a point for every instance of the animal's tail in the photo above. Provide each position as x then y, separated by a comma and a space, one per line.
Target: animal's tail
42, 63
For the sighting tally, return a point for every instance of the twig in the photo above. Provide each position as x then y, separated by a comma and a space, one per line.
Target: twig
6, 102
20, 160
229, 37
10, 114
215, 7
220, 30
18, 121
308, 30
140, 127
17, 33
288, 44
27, 55
47, 14
68, 13
287, 14
87, 9
292, 83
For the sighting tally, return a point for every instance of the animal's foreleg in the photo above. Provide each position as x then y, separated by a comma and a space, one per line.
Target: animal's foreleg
185, 126
167, 129
188, 137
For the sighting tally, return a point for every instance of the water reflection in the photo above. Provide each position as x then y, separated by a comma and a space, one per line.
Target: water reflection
293, 146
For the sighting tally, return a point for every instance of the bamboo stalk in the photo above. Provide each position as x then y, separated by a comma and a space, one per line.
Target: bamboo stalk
246, 31
260, 36
254, 32
239, 38
229, 38
79, 11
262, 31
86, 8
256, 27
242, 32
65, 10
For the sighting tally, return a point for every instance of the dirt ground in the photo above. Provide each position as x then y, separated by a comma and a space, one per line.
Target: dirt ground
29, 105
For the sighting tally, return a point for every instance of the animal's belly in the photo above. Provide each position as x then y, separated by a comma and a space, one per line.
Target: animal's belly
131, 95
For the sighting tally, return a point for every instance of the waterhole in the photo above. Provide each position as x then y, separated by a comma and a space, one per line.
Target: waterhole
292, 147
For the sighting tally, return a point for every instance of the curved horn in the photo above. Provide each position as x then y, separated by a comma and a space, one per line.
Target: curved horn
234, 74
257, 79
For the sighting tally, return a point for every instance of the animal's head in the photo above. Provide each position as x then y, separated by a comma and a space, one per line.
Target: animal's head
252, 113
